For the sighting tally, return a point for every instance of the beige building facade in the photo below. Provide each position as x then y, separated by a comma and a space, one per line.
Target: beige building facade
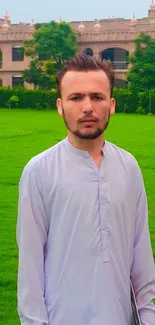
111, 38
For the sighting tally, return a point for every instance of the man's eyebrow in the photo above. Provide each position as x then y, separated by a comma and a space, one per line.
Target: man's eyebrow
98, 94
76, 94
83, 94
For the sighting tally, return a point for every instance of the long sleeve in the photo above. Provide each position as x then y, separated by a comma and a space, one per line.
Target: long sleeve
32, 229
143, 268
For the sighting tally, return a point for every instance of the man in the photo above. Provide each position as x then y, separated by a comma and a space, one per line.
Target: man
82, 226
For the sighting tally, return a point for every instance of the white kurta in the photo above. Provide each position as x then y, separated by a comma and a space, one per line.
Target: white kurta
82, 232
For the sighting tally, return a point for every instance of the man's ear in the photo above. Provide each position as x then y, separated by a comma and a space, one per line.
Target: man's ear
59, 106
112, 106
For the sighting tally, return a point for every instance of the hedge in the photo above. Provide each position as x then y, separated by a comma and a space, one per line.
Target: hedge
38, 99
127, 101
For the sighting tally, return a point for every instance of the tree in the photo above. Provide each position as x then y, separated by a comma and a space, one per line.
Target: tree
141, 74
39, 75
52, 44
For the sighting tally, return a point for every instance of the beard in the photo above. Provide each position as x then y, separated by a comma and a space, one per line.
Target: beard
90, 135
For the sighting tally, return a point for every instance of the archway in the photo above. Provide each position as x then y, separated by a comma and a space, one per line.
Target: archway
89, 52
118, 57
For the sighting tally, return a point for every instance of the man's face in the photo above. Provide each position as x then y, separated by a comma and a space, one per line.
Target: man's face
86, 104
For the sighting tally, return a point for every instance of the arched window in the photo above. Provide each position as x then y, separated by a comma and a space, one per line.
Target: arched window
88, 52
117, 56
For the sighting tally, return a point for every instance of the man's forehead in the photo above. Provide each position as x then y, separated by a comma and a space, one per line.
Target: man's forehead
94, 74
79, 78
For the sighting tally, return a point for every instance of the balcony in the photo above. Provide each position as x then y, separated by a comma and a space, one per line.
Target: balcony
120, 65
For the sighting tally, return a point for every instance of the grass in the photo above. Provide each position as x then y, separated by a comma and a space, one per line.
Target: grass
23, 134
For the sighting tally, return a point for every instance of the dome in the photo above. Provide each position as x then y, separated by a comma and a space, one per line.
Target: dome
97, 27
133, 21
81, 28
152, 6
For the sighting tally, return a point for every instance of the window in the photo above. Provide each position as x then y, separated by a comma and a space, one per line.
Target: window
117, 56
1, 83
88, 52
17, 53
17, 81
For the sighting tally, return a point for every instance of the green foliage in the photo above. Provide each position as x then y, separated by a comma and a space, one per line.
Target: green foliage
39, 99
141, 74
140, 110
52, 44
40, 75
13, 101
128, 101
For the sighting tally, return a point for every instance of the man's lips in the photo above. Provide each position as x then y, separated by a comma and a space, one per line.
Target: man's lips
88, 120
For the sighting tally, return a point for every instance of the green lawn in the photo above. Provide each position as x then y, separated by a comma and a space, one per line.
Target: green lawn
23, 134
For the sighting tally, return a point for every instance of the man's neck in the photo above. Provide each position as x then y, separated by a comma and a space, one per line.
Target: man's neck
93, 147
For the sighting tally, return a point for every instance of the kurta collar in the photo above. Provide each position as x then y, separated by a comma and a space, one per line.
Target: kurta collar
82, 153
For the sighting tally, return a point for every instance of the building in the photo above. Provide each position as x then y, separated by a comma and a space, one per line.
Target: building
111, 38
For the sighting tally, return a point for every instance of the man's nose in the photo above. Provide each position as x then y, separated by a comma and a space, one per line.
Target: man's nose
87, 105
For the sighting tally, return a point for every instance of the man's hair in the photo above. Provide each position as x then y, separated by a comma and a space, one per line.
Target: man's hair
84, 63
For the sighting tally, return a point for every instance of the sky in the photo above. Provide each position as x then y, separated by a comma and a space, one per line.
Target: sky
70, 10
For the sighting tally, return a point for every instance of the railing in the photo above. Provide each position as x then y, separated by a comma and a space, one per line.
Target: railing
120, 65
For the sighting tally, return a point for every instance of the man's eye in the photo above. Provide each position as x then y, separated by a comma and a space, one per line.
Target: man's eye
97, 98
76, 98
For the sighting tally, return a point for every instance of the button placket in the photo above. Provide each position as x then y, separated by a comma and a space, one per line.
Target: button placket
104, 215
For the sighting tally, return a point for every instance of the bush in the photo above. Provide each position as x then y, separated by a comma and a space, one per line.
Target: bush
5, 95
37, 99
133, 102
140, 110
147, 101
13, 101
126, 102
